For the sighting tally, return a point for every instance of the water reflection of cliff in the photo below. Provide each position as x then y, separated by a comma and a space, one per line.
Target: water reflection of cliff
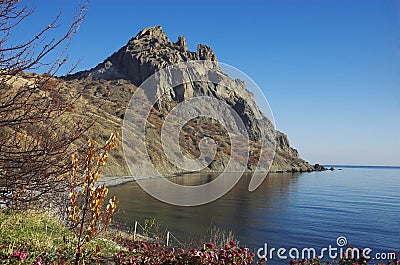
242, 211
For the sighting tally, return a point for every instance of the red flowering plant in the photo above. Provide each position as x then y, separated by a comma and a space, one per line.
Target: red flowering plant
154, 253
18, 255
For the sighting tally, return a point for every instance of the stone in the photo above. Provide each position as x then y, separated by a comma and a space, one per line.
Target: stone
182, 43
319, 167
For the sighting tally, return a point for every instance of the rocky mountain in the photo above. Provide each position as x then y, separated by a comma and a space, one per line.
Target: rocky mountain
111, 84
145, 54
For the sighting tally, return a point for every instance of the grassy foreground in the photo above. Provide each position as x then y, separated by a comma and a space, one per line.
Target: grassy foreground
30, 237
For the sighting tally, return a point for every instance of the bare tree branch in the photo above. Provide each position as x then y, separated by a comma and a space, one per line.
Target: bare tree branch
37, 127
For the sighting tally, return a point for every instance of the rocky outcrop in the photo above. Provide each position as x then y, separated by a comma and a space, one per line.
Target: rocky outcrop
319, 167
287, 158
283, 145
149, 51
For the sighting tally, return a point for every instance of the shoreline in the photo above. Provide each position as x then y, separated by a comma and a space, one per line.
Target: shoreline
120, 180
116, 181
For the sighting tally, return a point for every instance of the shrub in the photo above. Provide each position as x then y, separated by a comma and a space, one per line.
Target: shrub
87, 214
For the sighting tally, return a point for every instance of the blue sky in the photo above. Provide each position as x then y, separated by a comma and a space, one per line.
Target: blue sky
329, 69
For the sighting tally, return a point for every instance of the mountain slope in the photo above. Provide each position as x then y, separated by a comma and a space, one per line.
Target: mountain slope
111, 84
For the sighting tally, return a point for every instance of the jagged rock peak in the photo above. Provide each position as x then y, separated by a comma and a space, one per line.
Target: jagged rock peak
155, 32
153, 40
149, 51
205, 52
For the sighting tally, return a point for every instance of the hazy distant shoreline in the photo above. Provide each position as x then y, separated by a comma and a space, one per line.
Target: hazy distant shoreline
357, 166
119, 180
115, 181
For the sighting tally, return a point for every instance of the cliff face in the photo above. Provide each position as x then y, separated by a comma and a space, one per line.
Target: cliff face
151, 51
287, 158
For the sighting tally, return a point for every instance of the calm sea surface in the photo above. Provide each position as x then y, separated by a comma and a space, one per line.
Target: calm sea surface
287, 210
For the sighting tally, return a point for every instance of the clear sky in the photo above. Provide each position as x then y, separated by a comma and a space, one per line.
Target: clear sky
329, 69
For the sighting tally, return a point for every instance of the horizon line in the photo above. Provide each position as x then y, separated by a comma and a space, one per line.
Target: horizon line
349, 165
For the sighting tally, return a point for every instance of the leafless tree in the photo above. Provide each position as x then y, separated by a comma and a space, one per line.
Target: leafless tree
38, 123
